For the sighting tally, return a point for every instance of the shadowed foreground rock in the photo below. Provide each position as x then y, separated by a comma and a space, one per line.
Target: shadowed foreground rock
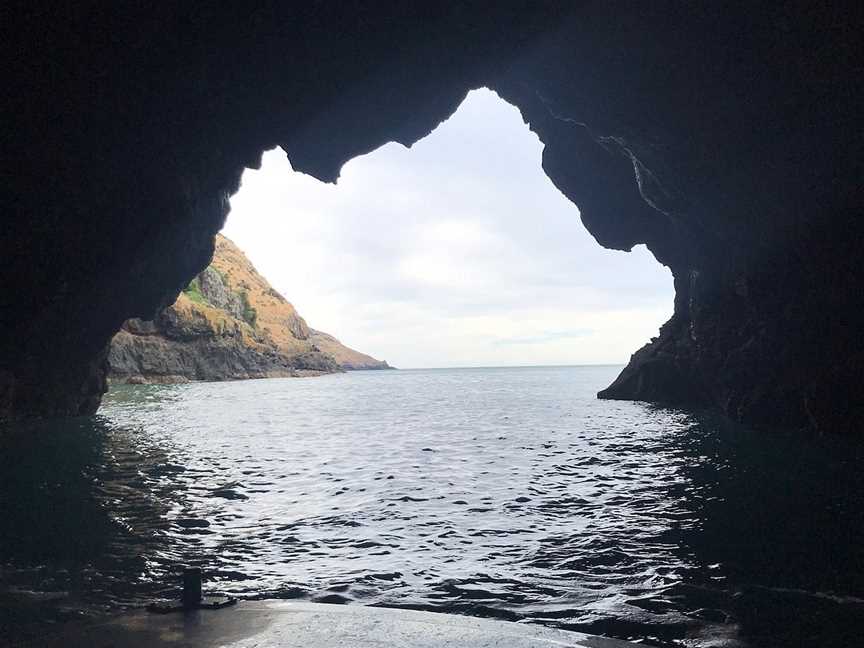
724, 136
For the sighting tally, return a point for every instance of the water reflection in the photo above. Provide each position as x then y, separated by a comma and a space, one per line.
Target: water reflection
777, 532
514, 495
83, 509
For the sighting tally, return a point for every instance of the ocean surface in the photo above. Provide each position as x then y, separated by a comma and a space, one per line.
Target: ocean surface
509, 492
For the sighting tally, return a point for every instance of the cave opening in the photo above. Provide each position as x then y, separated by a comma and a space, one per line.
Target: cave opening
460, 241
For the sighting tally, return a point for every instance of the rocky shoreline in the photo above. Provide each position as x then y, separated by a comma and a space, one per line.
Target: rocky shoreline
138, 379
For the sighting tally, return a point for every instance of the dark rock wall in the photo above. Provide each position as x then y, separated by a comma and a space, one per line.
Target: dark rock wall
722, 135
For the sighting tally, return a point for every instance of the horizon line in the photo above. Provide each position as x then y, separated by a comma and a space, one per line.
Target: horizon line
526, 366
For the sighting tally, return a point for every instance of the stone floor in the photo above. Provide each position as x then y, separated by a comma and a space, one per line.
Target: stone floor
266, 624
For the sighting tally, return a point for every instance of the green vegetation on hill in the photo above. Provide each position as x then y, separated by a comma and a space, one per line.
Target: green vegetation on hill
193, 292
249, 313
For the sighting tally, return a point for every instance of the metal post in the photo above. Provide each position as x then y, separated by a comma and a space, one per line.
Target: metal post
191, 587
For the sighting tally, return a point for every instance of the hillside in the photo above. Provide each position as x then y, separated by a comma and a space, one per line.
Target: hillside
229, 323
346, 357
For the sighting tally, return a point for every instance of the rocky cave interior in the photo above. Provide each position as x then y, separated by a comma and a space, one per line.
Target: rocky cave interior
724, 137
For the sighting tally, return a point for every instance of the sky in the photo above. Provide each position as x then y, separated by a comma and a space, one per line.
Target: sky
456, 252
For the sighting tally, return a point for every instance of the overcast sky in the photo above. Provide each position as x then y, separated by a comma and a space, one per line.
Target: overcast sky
456, 252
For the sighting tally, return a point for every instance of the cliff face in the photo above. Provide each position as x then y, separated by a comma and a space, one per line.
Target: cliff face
724, 136
228, 324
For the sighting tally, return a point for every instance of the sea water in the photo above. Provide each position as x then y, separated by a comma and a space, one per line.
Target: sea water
498, 492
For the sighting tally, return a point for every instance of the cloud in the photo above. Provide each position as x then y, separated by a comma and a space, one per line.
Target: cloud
439, 254
546, 336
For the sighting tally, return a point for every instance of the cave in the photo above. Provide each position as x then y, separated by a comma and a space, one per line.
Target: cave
724, 137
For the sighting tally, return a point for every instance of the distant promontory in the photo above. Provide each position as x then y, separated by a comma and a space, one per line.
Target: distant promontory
228, 324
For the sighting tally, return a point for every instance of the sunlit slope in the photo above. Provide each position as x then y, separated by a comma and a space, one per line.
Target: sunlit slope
229, 323
346, 357
276, 315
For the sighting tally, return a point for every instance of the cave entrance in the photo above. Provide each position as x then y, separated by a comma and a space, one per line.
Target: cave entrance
462, 242
395, 487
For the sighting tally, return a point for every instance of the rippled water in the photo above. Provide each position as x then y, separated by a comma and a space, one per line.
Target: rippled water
510, 493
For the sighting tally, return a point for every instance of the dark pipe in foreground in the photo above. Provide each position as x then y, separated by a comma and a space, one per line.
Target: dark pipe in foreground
192, 597
192, 594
